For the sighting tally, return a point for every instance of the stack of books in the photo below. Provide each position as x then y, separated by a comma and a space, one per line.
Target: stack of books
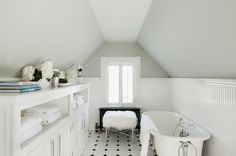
18, 87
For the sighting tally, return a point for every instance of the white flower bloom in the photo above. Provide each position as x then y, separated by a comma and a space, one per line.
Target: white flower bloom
71, 73
47, 69
28, 73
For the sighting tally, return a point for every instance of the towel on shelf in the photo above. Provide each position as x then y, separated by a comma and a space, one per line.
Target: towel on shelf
74, 105
147, 128
79, 99
46, 119
79, 102
43, 110
34, 118
30, 133
51, 118
29, 122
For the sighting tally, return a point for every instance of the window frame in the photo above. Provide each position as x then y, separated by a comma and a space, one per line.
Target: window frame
135, 61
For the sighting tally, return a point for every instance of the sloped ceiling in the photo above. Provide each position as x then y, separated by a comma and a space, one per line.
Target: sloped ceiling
192, 38
62, 31
120, 20
187, 38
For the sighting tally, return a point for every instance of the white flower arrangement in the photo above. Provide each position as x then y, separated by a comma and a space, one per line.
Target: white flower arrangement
46, 69
28, 73
73, 72
42, 71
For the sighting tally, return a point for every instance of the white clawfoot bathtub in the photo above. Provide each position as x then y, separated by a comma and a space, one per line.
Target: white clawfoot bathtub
173, 134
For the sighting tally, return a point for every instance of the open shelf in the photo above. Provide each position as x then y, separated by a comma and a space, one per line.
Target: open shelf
43, 134
14, 107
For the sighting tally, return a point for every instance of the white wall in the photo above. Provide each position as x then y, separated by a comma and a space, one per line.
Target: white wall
154, 94
218, 116
187, 96
192, 38
64, 31
149, 67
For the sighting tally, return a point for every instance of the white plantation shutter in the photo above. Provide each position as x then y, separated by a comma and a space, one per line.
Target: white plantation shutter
127, 83
113, 83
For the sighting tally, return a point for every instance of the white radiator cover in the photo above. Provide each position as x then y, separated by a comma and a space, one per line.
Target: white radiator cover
218, 91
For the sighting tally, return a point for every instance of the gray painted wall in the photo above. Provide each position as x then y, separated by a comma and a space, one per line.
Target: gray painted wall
149, 67
192, 38
57, 30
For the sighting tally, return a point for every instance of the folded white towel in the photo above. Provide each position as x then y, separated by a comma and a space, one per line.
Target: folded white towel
78, 97
45, 119
29, 122
74, 105
43, 110
30, 133
147, 127
79, 102
51, 118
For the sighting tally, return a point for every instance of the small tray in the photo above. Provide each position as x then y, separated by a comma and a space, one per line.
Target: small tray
64, 84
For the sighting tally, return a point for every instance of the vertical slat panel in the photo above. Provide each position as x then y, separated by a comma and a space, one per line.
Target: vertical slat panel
218, 92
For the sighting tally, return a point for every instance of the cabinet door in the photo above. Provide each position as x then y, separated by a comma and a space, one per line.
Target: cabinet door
63, 141
79, 131
59, 143
83, 129
74, 135
41, 150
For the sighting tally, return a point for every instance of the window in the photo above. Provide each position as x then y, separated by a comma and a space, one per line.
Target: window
127, 83
120, 75
113, 84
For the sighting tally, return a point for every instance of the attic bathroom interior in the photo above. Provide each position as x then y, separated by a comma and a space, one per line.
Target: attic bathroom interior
117, 77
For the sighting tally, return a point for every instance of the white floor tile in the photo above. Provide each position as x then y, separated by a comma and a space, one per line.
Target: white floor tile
117, 145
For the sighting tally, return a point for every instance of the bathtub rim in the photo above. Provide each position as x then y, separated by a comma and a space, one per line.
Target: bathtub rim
206, 136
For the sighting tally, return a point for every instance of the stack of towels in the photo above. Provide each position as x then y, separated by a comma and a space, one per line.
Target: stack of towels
30, 126
47, 115
78, 100
35, 118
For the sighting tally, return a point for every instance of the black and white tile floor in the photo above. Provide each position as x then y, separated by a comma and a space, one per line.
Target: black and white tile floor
117, 145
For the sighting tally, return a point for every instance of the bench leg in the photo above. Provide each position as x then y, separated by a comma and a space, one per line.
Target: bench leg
106, 134
132, 136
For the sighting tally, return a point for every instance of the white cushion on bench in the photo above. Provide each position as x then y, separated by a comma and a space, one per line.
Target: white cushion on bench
120, 120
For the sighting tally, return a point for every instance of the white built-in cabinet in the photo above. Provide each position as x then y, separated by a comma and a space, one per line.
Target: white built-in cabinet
78, 129
65, 137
